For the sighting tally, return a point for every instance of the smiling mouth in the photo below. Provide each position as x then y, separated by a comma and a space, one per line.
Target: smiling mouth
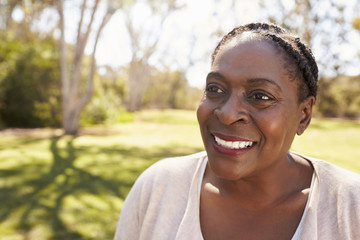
234, 144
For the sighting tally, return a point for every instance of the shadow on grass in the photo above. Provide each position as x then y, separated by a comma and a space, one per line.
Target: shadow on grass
37, 195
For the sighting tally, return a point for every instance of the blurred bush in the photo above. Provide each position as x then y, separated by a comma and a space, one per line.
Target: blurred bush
106, 106
29, 83
339, 97
170, 90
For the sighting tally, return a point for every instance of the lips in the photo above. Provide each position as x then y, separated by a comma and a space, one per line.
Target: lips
231, 145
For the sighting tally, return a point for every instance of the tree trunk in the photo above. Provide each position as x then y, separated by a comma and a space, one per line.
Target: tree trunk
138, 82
139, 72
71, 120
73, 99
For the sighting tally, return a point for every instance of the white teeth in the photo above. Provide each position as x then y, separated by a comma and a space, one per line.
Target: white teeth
233, 145
236, 145
228, 144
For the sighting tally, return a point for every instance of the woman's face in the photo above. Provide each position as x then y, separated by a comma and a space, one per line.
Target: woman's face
249, 113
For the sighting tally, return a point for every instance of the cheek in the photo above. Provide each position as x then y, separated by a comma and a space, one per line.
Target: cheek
278, 125
203, 111
270, 125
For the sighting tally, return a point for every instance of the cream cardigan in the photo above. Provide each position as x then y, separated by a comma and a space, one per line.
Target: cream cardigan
164, 203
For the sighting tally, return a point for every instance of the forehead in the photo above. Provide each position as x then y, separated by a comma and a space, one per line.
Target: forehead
253, 56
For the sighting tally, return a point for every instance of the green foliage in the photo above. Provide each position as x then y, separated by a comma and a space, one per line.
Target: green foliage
339, 97
125, 117
106, 105
356, 23
29, 83
171, 90
96, 113
102, 110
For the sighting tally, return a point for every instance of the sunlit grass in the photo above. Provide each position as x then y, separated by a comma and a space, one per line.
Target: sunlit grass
74, 188
332, 140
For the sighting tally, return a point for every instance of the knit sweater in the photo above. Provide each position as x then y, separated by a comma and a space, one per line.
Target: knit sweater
164, 203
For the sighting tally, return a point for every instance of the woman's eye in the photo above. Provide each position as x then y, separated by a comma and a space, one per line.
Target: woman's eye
212, 88
261, 97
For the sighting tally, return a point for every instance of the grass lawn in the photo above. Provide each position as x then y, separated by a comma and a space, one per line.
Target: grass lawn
332, 140
73, 188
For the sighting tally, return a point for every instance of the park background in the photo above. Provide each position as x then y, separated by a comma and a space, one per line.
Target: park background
93, 92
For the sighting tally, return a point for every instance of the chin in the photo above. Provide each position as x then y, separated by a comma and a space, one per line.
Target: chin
228, 169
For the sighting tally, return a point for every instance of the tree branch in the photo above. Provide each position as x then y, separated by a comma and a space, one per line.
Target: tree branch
83, 7
90, 83
79, 52
88, 31
63, 53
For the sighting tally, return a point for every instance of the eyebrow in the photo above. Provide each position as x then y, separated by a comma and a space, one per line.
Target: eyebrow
259, 80
219, 76
215, 75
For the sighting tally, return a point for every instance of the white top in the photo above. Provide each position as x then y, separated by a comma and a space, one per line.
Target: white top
164, 203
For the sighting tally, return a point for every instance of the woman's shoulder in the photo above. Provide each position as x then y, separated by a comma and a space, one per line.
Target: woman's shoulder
333, 201
337, 173
159, 197
333, 175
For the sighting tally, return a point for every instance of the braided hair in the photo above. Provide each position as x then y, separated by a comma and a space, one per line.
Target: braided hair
298, 53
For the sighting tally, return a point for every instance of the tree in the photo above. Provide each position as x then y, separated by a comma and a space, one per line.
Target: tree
324, 25
6, 10
74, 98
143, 46
356, 25
31, 11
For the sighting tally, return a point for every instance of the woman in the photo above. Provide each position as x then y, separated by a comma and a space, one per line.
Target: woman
247, 185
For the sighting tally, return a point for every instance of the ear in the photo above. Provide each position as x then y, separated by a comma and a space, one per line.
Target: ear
305, 109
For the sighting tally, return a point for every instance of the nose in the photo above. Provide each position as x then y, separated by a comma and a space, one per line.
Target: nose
233, 110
